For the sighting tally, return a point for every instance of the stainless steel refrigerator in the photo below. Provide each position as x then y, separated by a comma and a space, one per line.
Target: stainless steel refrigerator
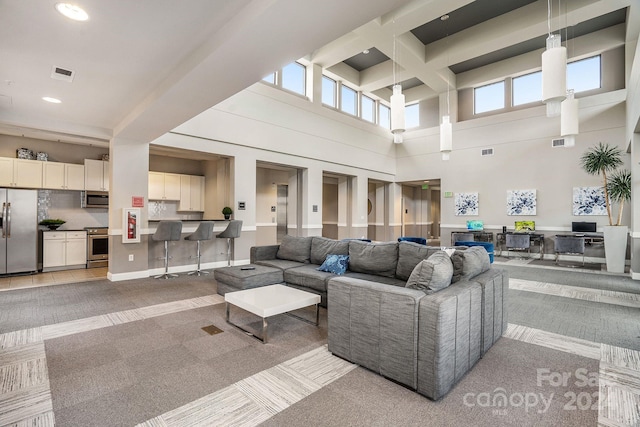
18, 231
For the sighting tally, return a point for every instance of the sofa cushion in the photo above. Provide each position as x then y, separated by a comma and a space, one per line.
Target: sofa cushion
475, 261
432, 274
295, 248
323, 246
457, 259
377, 279
409, 255
336, 264
373, 258
282, 264
308, 276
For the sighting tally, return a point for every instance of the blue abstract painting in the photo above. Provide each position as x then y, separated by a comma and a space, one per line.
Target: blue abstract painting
466, 203
589, 201
521, 202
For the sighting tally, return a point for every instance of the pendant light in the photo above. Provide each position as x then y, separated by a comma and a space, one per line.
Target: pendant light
446, 137
446, 131
397, 114
397, 102
554, 70
569, 119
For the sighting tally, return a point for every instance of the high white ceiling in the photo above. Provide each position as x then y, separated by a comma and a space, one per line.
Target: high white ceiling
143, 67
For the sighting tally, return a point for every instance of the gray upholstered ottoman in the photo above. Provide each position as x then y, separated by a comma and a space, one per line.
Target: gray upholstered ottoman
240, 277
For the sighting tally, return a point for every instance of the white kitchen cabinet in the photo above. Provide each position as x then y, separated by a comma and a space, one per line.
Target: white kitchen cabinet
20, 173
63, 249
63, 176
164, 186
96, 175
191, 193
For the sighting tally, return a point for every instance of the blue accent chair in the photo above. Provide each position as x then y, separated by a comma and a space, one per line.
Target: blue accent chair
420, 240
488, 246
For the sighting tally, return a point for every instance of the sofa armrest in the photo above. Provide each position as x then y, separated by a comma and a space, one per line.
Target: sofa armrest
375, 325
449, 337
263, 253
495, 288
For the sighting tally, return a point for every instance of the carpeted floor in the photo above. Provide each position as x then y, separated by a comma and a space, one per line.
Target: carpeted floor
140, 355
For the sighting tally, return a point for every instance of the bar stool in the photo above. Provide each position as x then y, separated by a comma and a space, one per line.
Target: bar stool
231, 232
168, 231
203, 232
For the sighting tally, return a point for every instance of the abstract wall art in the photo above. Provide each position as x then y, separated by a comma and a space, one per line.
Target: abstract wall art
466, 203
589, 201
521, 202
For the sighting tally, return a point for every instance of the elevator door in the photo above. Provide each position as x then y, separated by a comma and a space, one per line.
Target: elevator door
281, 212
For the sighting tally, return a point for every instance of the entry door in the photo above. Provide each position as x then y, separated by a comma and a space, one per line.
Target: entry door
281, 212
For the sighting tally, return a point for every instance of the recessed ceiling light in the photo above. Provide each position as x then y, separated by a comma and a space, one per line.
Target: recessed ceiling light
72, 11
366, 51
52, 100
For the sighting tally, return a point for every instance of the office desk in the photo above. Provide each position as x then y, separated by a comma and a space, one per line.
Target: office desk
478, 236
535, 239
589, 239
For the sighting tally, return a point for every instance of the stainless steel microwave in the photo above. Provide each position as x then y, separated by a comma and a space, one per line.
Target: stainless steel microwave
96, 199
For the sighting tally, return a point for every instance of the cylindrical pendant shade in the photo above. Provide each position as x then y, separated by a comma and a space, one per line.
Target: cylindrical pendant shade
569, 120
397, 114
446, 137
554, 75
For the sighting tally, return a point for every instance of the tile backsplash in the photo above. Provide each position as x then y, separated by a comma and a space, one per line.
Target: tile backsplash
66, 205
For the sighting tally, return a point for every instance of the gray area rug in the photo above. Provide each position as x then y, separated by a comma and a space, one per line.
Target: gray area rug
127, 374
503, 389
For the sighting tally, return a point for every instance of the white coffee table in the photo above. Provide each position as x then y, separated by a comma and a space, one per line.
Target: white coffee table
268, 301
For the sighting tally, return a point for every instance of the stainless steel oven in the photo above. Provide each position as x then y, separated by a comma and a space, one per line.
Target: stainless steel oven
97, 247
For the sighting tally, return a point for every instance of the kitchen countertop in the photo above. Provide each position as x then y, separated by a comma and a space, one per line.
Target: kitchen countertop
188, 220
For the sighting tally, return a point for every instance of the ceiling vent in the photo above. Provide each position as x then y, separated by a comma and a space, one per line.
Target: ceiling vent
487, 152
62, 74
556, 143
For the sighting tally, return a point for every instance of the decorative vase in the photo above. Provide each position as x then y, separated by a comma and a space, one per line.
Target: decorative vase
615, 247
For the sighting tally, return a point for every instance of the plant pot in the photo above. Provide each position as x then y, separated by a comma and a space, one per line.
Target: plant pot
227, 216
615, 247
53, 226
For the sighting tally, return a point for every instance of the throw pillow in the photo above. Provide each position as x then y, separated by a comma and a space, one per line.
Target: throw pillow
336, 264
432, 274
295, 248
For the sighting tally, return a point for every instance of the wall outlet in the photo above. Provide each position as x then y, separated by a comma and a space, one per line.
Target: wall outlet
130, 257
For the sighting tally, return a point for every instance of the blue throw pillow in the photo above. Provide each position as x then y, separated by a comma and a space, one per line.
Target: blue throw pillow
336, 264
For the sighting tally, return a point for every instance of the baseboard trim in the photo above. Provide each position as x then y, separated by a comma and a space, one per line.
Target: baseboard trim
117, 277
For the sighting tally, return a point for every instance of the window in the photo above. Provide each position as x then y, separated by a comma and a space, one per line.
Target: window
384, 116
348, 100
271, 78
328, 91
412, 116
488, 98
368, 109
527, 88
584, 74
293, 78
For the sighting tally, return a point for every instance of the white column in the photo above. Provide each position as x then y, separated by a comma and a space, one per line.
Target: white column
128, 177
243, 191
312, 202
344, 207
359, 196
395, 211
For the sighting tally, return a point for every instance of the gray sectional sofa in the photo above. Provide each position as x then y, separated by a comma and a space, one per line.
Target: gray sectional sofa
417, 318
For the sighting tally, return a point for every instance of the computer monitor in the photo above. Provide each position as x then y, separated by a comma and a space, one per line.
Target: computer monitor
475, 225
583, 227
525, 226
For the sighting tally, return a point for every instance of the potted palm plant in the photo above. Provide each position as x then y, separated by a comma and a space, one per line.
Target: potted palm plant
600, 160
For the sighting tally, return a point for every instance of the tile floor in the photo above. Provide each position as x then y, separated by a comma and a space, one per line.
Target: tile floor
52, 278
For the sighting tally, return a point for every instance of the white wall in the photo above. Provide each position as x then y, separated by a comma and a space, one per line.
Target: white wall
523, 159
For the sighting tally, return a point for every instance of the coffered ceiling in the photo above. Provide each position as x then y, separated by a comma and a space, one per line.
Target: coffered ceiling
141, 68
